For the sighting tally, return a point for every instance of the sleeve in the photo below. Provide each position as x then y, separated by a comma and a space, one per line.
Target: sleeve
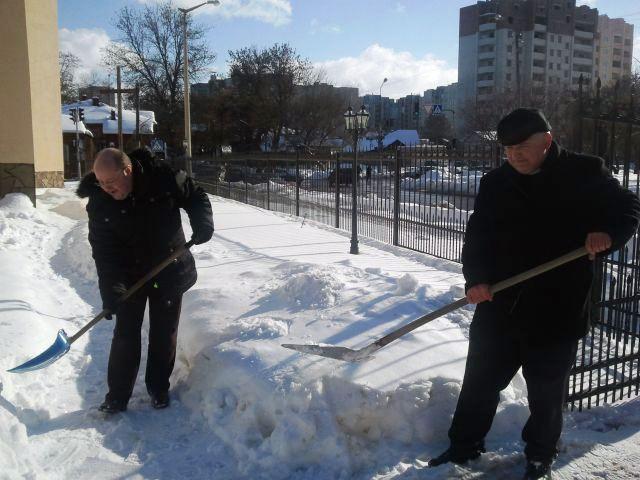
618, 211
194, 200
478, 241
106, 254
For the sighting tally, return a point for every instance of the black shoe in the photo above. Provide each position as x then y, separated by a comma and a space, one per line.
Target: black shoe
457, 455
160, 400
537, 470
113, 406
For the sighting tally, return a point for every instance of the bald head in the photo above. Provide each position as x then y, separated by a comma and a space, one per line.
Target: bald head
111, 158
113, 171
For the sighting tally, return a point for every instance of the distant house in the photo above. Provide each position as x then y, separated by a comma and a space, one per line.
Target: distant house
397, 138
102, 120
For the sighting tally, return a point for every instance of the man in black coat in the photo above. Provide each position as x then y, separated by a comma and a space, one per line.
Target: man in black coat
544, 202
134, 224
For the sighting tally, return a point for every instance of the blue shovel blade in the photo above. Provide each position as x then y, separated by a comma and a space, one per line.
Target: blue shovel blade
50, 355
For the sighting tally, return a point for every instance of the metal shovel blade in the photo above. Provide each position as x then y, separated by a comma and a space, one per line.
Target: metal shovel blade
50, 355
338, 353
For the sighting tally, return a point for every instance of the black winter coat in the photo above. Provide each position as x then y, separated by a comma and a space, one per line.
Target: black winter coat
129, 237
521, 221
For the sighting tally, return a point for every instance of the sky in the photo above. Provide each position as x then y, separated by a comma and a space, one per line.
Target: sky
413, 43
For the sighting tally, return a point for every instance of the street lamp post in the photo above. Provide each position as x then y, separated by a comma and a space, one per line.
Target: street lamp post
187, 106
355, 123
381, 124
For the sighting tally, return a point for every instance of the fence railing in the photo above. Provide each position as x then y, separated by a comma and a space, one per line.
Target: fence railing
420, 198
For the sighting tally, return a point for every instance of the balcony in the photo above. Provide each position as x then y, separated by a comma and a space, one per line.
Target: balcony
485, 83
487, 69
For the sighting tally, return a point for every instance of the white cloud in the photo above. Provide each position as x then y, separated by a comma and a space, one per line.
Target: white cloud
406, 73
275, 12
591, 3
86, 44
400, 8
315, 26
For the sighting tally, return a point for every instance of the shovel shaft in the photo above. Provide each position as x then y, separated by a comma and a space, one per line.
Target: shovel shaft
157, 269
509, 282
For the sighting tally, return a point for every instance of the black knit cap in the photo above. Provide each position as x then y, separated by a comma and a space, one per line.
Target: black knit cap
521, 124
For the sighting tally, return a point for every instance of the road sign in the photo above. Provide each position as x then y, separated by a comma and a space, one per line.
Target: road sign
157, 145
436, 109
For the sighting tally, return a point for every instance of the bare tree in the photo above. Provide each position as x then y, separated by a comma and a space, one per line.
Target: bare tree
69, 63
264, 82
150, 50
317, 110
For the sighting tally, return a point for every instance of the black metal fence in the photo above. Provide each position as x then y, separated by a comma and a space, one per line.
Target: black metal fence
420, 197
607, 368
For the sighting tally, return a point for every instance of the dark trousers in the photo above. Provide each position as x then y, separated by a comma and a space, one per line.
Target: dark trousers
496, 353
124, 358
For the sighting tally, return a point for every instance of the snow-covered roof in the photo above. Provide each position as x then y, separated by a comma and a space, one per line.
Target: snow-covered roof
101, 115
69, 127
405, 137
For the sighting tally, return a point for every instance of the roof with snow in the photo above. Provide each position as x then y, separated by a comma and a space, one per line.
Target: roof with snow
101, 115
402, 137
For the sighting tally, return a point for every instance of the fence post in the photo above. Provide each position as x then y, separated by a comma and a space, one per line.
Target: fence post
246, 183
297, 181
337, 179
267, 170
396, 198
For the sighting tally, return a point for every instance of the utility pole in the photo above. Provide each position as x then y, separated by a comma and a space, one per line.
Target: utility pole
119, 91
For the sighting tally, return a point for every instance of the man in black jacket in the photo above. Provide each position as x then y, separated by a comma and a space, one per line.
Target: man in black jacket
544, 202
134, 224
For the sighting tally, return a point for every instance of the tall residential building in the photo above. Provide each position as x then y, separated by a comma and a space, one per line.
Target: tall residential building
525, 47
614, 49
445, 96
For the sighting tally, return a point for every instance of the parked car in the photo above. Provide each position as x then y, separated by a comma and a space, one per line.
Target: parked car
344, 174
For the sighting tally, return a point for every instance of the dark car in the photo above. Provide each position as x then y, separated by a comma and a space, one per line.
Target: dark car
344, 174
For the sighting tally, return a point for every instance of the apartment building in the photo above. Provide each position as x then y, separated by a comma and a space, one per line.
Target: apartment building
524, 47
614, 49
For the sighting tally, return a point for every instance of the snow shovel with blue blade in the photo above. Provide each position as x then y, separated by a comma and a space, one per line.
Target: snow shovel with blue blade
365, 353
63, 342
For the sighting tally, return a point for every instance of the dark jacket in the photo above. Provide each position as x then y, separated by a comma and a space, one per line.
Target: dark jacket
129, 237
520, 221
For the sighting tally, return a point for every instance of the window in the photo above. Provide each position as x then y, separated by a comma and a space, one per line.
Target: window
617, 39
616, 64
568, 18
552, 38
538, 77
566, 45
557, 66
508, 63
508, 77
538, 35
485, 76
539, 63
550, 66
510, 34
509, 48
559, 53
566, 60
538, 49
485, 48
626, 54
486, 62
617, 51
627, 42
485, 90
551, 53
566, 74
626, 66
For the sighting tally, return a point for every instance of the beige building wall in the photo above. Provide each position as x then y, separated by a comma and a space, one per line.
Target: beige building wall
30, 129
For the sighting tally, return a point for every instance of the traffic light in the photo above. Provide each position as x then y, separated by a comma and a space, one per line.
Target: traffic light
72, 114
81, 114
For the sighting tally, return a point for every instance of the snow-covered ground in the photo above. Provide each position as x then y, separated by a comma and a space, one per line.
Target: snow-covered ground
243, 406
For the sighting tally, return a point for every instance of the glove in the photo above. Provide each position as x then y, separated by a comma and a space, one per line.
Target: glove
201, 237
111, 301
